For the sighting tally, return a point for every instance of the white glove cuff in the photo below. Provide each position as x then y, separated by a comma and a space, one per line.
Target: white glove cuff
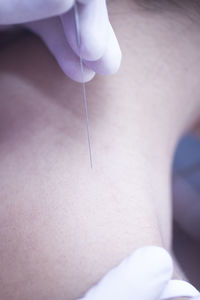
179, 288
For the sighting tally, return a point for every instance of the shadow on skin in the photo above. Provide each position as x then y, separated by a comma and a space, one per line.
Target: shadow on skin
17, 117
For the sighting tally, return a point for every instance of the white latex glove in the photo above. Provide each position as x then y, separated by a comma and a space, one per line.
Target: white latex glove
53, 21
145, 275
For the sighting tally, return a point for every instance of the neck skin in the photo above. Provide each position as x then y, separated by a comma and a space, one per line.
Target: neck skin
69, 223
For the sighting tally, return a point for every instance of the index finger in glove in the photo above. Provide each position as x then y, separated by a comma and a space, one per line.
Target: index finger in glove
93, 29
143, 275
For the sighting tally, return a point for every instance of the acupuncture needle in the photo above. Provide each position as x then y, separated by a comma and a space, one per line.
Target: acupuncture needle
78, 36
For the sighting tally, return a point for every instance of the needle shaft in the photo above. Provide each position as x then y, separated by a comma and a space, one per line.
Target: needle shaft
77, 24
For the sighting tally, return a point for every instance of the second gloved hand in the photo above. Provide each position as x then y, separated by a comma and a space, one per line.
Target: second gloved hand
145, 275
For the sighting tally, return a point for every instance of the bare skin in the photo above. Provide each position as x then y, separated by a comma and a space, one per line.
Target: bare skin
62, 225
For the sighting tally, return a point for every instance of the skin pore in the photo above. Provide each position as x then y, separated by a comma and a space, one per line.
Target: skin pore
63, 225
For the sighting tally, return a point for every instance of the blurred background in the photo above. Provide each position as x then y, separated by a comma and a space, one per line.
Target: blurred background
186, 204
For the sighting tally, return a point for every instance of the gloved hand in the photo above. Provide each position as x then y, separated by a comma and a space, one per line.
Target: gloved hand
145, 275
99, 47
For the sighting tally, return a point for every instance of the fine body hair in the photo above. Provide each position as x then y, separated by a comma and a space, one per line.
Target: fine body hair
163, 4
189, 8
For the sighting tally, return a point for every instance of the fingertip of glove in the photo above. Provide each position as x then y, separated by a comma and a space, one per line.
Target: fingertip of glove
107, 65
92, 49
113, 64
158, 258
78, 77
87, 77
